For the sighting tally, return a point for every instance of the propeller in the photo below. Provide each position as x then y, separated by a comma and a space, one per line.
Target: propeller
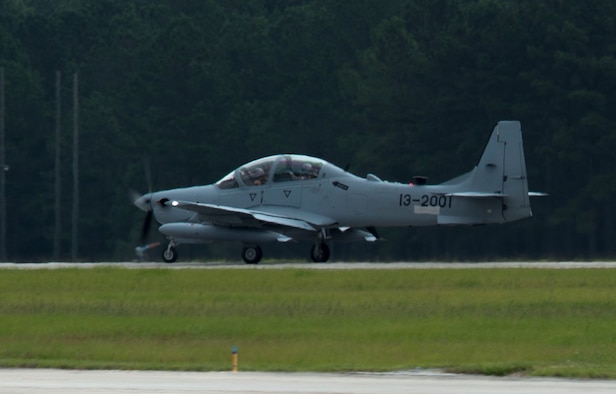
144, 202
145, 229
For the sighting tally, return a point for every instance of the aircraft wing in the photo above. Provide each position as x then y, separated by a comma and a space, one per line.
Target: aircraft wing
224, 215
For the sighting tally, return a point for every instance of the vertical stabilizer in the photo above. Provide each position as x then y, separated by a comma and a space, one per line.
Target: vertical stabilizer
500, 173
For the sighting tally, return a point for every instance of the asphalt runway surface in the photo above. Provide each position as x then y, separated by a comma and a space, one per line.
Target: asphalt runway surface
317, 266
53, 381
50, 381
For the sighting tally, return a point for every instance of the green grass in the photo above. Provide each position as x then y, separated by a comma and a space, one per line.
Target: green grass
499, 322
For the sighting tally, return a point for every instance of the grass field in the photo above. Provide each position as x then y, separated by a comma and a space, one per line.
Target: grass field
500, 321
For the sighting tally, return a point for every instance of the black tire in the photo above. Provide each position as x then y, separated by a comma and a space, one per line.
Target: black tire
252, 254
320, 256
170, 255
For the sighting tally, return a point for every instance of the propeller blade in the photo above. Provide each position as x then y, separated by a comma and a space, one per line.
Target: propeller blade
133, 195
145, 229
147, 169
144, 202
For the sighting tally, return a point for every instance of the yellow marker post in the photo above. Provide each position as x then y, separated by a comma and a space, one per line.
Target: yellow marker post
234, 357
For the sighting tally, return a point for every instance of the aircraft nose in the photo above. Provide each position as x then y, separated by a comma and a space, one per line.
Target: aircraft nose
144, 202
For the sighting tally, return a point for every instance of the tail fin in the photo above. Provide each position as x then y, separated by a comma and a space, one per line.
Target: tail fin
515, 180
501, 173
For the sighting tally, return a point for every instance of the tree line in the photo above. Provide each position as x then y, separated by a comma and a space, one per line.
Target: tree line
396, 88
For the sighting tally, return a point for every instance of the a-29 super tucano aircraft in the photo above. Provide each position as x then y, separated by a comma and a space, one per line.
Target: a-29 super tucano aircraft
290, 197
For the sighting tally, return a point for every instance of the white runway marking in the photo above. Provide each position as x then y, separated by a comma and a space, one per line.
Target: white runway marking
50, 381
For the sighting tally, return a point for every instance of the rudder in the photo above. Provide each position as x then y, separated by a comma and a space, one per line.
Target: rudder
516, 204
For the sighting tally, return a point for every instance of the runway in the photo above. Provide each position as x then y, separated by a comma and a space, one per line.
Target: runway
50, 381
318, 266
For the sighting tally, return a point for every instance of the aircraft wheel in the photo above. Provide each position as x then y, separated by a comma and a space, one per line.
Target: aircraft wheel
320, 253
170, 255
252, 254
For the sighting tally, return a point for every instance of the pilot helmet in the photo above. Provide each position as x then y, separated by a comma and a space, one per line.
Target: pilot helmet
257, 172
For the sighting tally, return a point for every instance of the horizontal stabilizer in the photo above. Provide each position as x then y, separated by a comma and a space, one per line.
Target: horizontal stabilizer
477, 195
497, 195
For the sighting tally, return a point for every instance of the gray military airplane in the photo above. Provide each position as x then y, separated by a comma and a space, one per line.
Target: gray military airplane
290, 197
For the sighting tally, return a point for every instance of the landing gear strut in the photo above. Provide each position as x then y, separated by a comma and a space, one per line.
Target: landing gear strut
252, 254
170, 255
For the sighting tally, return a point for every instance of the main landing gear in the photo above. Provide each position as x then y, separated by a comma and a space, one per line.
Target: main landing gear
252, 254
319, 253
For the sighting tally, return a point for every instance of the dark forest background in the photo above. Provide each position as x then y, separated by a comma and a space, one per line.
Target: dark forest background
393, 87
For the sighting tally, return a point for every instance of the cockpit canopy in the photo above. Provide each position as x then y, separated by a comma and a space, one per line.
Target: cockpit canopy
277, 169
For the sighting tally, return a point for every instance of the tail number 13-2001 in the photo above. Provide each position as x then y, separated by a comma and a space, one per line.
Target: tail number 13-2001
433, 200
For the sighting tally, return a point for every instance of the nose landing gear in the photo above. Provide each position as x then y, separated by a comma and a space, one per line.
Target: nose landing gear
170, 255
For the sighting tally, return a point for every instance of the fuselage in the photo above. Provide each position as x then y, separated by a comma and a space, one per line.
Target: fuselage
348, 200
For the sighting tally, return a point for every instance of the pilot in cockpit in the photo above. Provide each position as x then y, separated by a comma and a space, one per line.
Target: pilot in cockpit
258, 176
308, 171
